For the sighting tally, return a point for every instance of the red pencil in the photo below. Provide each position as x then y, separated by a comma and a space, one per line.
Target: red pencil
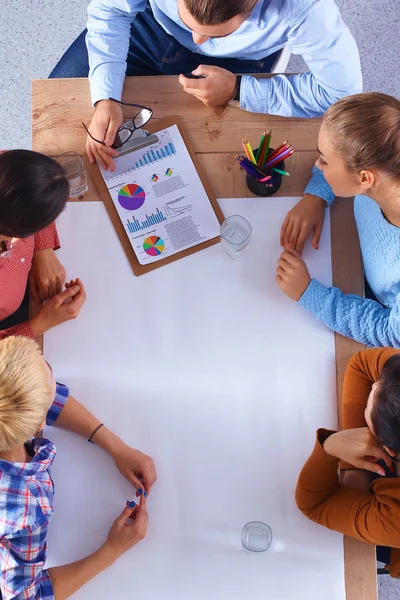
278, 159
286, 143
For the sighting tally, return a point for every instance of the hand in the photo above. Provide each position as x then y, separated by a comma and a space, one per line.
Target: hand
308, 215
47, 275
216, 89
138, 468
359, 448
359, 480
103, 126
122, 535
292, 274
60, 308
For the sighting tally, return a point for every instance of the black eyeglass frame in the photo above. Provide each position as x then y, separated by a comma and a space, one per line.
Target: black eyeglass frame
130, 125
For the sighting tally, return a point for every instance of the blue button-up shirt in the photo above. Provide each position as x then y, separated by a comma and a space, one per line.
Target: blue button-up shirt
26, 507
312, 28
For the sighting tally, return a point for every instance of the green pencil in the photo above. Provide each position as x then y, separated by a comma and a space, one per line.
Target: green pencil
260, 147
267, 148
280, 172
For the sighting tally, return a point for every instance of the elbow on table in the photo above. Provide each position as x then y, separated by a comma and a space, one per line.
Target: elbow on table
304, 504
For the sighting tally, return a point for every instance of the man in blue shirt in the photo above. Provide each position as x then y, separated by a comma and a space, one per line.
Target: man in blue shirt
215, 39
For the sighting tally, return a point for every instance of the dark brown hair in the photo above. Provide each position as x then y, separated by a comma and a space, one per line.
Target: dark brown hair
33, 192
216, 12
366, 132
385, 414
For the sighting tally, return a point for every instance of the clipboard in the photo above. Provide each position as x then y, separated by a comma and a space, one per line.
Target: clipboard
137, 268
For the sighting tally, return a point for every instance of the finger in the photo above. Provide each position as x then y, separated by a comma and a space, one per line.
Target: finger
66, 294
111, 132
302, 240
279, 280
44, 290
62, 276
98, 156
125, 515
202, 70
317, 234
294, 236
198, 93
89, 152
52, 288
379, 454
292, 256
191, 84
288, 233
283, 230
281, 272
287, 258
142, 506
283, 264
35, 291
370, 466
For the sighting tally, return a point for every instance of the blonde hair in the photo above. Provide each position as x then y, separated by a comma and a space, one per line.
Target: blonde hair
24, 391
366, 132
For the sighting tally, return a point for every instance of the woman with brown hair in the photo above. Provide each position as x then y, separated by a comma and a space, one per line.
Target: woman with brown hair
366, 504
359, 146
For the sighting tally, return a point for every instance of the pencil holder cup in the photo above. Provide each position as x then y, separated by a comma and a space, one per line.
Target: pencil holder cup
271, 186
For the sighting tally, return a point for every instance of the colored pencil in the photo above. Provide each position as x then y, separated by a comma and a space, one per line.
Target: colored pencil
278, 159
280, 171
245, 149
265, 155
278, 149
261, 148
250, 152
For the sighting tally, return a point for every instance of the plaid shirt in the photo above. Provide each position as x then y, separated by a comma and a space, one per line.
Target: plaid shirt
26, 506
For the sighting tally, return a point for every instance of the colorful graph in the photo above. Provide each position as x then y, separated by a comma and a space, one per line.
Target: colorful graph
134, 225
131, 196
154, 178
168, 172
153, 245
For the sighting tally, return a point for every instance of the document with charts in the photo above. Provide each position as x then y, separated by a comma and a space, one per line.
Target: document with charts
160, 198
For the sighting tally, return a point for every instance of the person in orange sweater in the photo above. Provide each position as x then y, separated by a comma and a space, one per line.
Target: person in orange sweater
33, 192
366, 504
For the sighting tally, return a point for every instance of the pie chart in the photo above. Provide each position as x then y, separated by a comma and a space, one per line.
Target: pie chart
153, 245
131, 196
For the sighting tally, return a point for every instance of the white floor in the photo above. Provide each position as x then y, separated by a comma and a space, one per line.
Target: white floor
34, 35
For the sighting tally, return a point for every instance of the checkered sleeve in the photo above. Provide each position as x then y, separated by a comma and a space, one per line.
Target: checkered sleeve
23, 330
47, 238
60, 398
24, 579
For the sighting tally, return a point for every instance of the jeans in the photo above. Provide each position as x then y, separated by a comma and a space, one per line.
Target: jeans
152, 51
383, 552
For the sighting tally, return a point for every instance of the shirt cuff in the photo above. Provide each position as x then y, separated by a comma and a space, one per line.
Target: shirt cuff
22, 330
314, 296
105, 85
60, 398
254, 94
47, 239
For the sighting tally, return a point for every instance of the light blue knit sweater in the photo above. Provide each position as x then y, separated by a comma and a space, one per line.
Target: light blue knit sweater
360, 319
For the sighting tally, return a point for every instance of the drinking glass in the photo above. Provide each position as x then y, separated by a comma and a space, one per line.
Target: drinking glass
235, 236
74, 168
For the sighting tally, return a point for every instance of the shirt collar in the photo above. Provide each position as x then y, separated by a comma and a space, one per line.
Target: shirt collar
42, 459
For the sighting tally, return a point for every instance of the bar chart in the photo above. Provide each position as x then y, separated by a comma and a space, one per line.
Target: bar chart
152, 156
133, 225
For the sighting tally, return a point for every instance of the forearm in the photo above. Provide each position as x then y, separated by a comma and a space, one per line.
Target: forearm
67, 579
76, 418
360, 319
107, 42
47, 239
318, 186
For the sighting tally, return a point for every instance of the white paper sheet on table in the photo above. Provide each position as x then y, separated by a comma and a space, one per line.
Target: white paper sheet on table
206, 366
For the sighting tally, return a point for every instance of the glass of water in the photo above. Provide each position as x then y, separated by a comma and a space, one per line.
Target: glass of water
74, 168
256, 536
235, 236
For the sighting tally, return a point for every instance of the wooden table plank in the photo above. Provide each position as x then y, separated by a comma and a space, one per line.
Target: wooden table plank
59, 106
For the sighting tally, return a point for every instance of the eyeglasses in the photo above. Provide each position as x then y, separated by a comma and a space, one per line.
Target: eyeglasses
124, 133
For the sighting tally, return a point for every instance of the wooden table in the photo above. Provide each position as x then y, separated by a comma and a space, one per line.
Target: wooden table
59, 106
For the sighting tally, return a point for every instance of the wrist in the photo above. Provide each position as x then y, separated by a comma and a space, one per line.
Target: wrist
236, 92
39, 325
108, 553
110, 442
317, 199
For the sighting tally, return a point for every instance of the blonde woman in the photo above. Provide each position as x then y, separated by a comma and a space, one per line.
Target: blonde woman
359, 146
